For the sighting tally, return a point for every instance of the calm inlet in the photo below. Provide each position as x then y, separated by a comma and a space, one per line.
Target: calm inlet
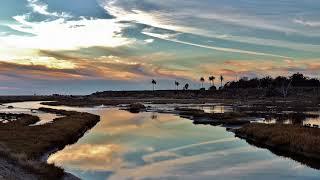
157, 146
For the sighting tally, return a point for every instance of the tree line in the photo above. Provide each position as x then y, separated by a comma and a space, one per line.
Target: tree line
211, 79
296, 80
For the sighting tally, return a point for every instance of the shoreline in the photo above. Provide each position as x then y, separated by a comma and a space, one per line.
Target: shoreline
237, 121
297, 145
230, 120
234, 122
28, 147
284, 152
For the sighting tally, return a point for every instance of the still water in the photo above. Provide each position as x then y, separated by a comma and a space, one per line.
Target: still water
164, 146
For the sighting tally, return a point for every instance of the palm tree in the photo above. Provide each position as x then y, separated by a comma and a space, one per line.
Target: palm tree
221, 80
154, 82
177, 84
211, 79
186, 86
202, 81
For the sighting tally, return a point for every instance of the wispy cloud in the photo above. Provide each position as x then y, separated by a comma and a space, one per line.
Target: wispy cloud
54, 65
42, 8
250, 39
165, 37
161, 14
170, 168
210, 20
307, 23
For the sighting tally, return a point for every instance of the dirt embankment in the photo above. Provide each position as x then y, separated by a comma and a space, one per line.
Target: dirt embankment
23, 147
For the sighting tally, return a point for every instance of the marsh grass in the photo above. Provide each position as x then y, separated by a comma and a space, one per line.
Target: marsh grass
26, 145
200, 117
292, 139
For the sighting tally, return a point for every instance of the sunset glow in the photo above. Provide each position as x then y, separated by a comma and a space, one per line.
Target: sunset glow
118, 44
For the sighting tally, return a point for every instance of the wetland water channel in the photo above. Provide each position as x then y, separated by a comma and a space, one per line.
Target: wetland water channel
153, 145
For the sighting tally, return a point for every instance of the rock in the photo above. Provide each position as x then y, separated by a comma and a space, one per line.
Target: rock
136, 107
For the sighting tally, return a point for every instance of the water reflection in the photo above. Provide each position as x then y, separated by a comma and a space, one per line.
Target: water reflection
91, 157
312, 122
29, 108
164, 146
154, 116
208, 108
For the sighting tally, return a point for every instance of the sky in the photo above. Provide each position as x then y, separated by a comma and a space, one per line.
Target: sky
84, 46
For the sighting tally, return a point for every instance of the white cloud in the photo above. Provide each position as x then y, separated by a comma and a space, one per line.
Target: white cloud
148, 41
42, 8
61, 34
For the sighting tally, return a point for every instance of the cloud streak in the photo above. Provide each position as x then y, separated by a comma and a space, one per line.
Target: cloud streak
165, 37
307, 23
52, 65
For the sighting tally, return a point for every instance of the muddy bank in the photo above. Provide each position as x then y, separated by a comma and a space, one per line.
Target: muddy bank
91, 101
200, 117
241, 105
297, 142
24, 146
237, 118
113, 98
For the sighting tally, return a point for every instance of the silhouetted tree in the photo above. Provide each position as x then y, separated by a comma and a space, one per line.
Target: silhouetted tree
186, 86
266, 82
177, 84
279, 81
154, 83
202, 81
211, 79
278, 86
221, 80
